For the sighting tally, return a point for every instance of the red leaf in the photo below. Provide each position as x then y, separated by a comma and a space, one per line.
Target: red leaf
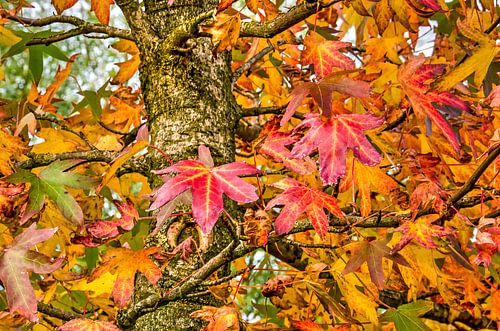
421, 231
332, 137
414, 77
322, 94
324, 54
298, 199
207, 185
307, 326
83, 324
16, 263
274, 146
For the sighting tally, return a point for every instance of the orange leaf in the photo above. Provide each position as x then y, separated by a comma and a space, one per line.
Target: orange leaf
84, 324
307, 326
225, 318
10, 148
422, 231
225, 31
129, 67
62, 5
101, 9
125, 263
61, 75
324, 54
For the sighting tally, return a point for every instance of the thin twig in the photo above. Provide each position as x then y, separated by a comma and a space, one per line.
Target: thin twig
247, 65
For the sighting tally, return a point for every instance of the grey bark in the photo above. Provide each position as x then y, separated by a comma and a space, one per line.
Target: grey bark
188, 98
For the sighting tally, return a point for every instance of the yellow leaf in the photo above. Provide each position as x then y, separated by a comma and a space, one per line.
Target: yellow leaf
479, 63
57, 141
7, 37
102, 285
118, 162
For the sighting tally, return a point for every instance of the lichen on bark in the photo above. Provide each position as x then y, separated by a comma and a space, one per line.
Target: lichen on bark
189, 102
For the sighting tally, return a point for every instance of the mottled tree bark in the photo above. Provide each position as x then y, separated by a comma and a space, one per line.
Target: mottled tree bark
188, 98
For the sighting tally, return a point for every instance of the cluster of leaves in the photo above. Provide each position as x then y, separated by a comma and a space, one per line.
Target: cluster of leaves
378, 163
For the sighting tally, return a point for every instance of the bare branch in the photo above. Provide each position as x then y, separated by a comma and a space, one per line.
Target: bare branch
82, 27
282, 22
469, 185
247, 65
55, 312
40, 160
256, 111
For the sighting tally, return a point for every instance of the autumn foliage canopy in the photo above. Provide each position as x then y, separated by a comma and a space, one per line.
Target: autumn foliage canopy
364, 193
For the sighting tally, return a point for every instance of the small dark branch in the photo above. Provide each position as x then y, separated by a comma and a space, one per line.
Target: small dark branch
105, 126
256, 111
40, 160
469, 202
55, 312
493, 26
304, 245
82, 27
225, 279
137, 20
374, 221
469, 185
282, 22
247, 65
396, 122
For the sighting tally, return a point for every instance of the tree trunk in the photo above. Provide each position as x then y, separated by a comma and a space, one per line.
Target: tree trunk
188, 98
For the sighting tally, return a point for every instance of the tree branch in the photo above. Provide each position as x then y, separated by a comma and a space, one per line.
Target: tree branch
282, 22
469, 185
256, 111
40, 160
137, 20
82, 27
247, 65
55, 312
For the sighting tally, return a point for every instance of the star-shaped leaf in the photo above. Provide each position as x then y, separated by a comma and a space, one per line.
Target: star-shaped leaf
85, 324
332, 137
125, 263
298, 199
16, 263
50, 182
406, 318
322, 94
325, 55
422, 231
372, 253
414, 77
274, 146
207, 184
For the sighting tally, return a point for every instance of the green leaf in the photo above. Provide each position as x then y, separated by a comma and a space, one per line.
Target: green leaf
406, 318
50, 182
36, 62
55, 52
94, 102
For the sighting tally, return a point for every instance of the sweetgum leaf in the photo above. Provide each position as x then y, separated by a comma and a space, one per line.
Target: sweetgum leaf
414, 76
406, 318
85, 324
125, 263
332, 137
50, 182
207, 185
16, 263
298, 199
